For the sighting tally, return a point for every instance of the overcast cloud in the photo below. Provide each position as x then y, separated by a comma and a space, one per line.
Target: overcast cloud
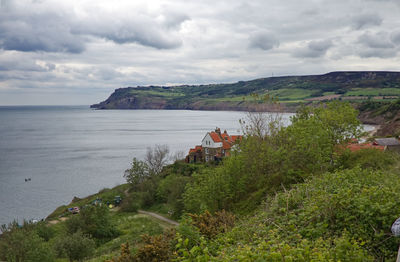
79, 51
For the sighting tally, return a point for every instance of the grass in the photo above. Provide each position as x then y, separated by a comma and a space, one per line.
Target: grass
131, 226
292, 93
373, 92
157, 93
106, 194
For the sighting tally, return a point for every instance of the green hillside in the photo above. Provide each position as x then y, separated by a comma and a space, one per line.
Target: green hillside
237, 96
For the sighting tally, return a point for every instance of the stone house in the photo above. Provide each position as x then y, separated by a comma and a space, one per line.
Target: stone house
214, 146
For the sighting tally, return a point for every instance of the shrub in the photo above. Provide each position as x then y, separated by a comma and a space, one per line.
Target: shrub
74, 223
156, 248
23, 244
125, 254
97, 222
44, 231
130, 204
210, 225
75, 247
94, 221
367, 158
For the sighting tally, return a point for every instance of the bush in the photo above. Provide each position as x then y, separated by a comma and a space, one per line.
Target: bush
170, 190
44, 231
342, 248
210, 225
75, 247
97, 222
156, 248
125, 255
94, 221
131, 203
367, 158
129, 206
23, 244
74, 224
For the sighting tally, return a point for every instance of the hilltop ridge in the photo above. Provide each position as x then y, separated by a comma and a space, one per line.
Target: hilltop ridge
290, 90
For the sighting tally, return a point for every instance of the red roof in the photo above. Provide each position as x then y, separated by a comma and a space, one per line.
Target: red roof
226, 145
196, 149
215, 137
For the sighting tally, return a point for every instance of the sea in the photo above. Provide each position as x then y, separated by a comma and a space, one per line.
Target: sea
68, 151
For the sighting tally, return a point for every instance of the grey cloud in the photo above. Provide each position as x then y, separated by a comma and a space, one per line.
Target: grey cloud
44, 31
136, 32
263, 40
378, 44
380, 53
61, 31
314, 49
395, 37
366, 20
173, 19
24, 63
141, 28
376, 40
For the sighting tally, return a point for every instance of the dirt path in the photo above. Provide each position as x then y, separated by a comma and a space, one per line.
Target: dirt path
169, 221
53, 222
157, 216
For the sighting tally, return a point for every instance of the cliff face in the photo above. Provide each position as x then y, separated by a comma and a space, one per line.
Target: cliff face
131, 102
384, 114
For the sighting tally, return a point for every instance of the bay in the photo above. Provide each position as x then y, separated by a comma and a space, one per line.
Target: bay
72, 151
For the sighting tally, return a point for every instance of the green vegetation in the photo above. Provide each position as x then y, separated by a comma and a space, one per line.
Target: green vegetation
373, 92
290, 90
285, 194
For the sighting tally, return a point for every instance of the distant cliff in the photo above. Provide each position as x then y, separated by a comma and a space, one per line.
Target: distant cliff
384, 114
290, 90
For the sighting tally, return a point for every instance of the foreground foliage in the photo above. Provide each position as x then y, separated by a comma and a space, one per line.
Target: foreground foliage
344, 215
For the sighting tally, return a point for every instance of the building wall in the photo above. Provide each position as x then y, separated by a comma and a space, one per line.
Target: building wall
208, 142
209, 153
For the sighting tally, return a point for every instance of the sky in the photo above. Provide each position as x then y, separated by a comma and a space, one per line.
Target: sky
77, 52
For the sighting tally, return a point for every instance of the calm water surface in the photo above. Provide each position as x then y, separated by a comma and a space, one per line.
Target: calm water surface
76, 151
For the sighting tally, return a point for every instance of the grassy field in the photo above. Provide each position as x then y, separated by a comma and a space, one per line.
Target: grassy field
373, 92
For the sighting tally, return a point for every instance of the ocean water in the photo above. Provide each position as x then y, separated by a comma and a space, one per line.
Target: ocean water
76, 151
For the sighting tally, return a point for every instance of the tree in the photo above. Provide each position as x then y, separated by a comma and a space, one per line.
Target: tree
261, 124
23, 244
156, 158
76, 246
97, 222
137, 174
339, 119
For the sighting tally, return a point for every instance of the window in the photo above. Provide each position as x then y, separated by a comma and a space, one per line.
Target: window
206, 150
